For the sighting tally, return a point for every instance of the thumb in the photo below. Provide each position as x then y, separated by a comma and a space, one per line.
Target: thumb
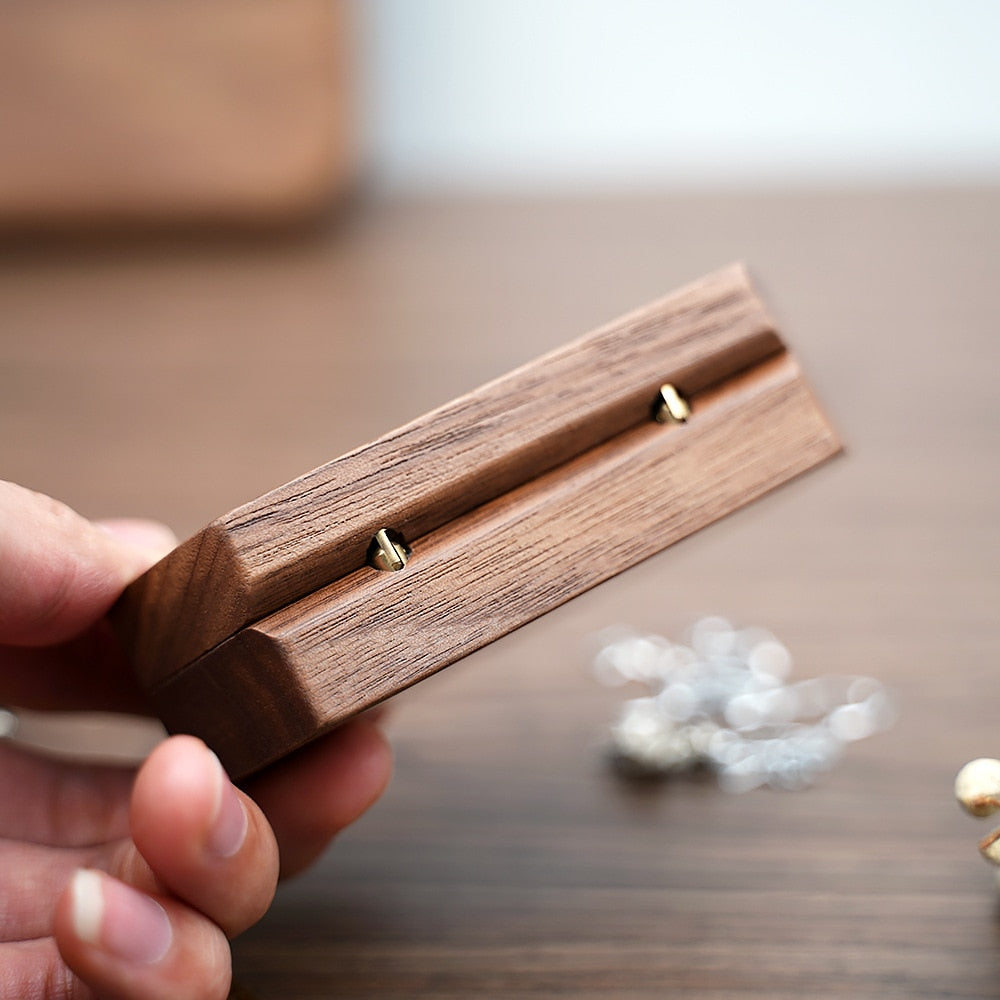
59, 573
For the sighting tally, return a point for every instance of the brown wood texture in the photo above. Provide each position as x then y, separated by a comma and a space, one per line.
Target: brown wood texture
316, 529
284, 680
174, 111
506, 860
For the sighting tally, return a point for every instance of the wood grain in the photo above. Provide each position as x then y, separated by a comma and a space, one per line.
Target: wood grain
281, 682
316, 529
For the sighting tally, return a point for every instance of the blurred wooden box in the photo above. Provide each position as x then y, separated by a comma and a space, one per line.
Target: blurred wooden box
160, 111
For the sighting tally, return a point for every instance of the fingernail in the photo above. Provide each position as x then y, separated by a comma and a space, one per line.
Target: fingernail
153, 537
229, 824
119, 920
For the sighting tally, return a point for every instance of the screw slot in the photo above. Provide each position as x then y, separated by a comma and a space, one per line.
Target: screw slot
671, 407
388, 551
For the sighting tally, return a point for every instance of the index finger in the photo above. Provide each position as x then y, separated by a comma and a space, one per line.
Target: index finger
59, 573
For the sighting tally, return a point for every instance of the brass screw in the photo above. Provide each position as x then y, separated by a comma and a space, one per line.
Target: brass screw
388, 550
671, 406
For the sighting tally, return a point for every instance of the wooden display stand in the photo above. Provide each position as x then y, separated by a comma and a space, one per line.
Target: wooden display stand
333, 592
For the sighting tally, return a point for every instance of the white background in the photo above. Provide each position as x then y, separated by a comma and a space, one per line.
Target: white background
514, 94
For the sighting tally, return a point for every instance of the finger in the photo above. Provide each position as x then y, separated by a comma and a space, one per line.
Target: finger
36, 969
30, 878
90, 671
313, 794
201, 837
129, 945
58, 572
59, 803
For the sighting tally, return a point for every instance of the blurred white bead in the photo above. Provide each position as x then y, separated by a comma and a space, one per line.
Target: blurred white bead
723, 701
713, 636
771, 658
862, 688
781, 706
743, 776
880, 710
678, 701
744, 711
850, 722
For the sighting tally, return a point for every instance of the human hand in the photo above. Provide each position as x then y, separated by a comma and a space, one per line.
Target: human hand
125, 885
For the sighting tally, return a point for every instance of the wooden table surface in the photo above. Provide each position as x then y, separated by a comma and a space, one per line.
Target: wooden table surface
179, 378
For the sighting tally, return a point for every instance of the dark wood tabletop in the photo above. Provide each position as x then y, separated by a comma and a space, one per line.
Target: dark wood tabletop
177, 378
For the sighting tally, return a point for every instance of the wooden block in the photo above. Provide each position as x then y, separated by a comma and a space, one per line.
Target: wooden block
167, 111
270, 626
